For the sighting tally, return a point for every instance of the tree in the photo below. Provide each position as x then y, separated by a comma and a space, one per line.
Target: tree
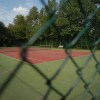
52, 5
18, 30
33, 16
71, 18
32, 19
42, 16
96, 1
51, 11
3, 34
68, 18
20, 27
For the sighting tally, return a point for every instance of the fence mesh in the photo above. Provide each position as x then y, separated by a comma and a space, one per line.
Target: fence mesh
93, 48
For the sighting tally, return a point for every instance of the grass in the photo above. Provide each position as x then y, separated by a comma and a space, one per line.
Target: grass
30, 85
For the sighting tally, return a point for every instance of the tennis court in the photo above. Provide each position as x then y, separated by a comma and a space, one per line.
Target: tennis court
29, 84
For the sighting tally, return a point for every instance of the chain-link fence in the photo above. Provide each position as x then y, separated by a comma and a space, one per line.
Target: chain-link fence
68, 46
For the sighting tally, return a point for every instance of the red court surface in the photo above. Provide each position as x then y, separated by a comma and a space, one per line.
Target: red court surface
41, 56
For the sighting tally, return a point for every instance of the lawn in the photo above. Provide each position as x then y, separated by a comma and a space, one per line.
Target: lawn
28, 84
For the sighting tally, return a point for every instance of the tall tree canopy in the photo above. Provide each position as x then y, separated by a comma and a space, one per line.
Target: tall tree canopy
69, 21
3, 34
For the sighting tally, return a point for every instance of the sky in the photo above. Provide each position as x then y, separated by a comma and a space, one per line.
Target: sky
10, 8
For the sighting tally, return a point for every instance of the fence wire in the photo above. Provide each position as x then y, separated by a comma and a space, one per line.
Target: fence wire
93, 48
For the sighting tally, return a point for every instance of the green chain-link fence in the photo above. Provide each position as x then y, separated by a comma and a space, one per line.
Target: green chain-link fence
68, 47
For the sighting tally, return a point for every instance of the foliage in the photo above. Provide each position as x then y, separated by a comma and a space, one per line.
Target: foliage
3, 34
69, 21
